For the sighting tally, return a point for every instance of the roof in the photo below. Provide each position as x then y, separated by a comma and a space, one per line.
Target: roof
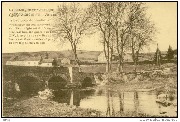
32, 59
47, 61
24, 58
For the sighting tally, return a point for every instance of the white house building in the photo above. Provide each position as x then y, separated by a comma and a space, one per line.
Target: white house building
68, 61
102, 58
18, 63
65, 61
128, 57
23, 63
30, 61
46, 63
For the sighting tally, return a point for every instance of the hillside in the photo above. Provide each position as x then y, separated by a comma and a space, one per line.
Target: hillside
82, 55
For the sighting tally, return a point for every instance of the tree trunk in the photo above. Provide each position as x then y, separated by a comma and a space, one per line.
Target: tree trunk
122, 58
111, 56
119, 68
137, 58
121, 65
133, 55
74, 49
108, 56
135, 66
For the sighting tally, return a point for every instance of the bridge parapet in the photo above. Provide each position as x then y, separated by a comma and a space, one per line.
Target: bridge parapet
41, 73
44, 74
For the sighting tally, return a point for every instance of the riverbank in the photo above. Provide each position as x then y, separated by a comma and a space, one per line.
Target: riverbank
158, 83
36, 107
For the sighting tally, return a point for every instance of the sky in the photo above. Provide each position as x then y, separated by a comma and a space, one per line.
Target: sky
163, 14
165, 17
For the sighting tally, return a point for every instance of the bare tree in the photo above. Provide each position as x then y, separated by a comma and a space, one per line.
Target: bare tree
71, 23
141, 29
123, 25
101, 18
110, 19
120, 30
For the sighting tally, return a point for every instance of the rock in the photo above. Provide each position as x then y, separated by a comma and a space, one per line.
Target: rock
166, 70
72, 106
162, 96
93, 114
17, 87
163, 112
47, 93
157, 72
98, 81
125, 78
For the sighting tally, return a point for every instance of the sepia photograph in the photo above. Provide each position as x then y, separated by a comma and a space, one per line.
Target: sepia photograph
89, 59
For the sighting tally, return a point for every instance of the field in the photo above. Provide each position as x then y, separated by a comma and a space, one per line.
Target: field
127, 68
82, 55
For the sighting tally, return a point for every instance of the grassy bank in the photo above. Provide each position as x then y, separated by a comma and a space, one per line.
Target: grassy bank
158, 83
36, 107
101, 68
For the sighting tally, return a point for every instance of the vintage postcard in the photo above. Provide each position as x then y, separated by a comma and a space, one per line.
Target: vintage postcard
89, 59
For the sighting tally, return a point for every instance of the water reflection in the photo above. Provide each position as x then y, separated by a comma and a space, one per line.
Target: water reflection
71, 97
110, 102
110, 105
121, 101
136, 102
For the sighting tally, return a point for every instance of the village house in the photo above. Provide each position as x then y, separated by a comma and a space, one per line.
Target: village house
31, 61
17, 63
146, 57
46, 63
67, 61
102, 58
23, 63
128, 57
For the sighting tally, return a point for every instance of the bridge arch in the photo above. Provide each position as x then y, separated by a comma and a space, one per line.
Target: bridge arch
35, 76
87, 82
57, 82
29, 85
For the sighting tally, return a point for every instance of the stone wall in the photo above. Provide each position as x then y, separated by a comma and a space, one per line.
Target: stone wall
78, 76
14, 73
71, 75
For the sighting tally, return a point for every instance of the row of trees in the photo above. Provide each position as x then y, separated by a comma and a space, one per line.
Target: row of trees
123, 26
158, 58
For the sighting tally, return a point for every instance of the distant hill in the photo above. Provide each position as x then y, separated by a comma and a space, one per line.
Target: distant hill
82, 55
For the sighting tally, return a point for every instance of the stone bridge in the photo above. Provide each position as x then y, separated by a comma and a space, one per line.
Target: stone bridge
56, 77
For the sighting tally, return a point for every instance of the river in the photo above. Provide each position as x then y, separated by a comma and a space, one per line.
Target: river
110, 102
